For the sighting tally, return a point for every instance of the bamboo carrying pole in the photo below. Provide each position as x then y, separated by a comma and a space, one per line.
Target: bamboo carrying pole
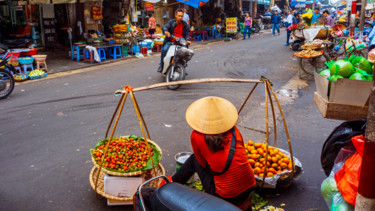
130, 90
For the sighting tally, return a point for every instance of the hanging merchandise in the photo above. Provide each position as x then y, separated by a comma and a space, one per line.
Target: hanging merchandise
97, 13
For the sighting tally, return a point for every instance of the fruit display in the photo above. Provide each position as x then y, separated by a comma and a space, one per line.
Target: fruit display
36, 74
355, 68
277, 162
126, 154
20, 77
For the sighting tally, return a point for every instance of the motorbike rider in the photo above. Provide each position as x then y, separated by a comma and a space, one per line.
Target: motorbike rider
177, 27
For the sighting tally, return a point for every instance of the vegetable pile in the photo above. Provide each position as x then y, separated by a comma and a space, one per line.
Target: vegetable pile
276, 163
126, 154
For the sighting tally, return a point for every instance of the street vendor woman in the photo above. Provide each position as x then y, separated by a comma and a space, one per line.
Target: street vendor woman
219, 154
176, 27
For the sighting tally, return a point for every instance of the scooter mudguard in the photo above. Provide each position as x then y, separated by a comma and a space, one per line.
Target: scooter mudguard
176, 197
168, 57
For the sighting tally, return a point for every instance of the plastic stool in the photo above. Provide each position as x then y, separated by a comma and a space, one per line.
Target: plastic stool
77, 52
144, 51
89, 57
115, 52
25, 67
206, 37
101, 52
198, 37
156, 48
41, 65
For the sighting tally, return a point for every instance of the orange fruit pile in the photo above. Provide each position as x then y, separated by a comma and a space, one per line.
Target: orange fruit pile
277, 162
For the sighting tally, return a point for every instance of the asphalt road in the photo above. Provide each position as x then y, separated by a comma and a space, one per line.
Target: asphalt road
48, 126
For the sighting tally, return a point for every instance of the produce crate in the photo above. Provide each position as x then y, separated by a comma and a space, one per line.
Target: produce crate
332, 110
344, 91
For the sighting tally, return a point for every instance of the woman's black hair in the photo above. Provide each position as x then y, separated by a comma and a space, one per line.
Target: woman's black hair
326, 11
215, 142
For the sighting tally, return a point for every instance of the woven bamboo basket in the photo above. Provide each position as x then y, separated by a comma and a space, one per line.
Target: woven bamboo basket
159, 170
129, 174
323, 34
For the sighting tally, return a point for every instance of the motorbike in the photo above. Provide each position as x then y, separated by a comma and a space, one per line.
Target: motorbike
175, 61
256, 26
175, 196
6, 78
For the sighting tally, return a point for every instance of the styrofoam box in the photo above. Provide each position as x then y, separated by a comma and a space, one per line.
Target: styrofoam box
121, 186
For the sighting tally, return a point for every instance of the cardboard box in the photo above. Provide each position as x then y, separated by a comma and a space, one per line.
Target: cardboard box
121, 186
338, 111
344, 91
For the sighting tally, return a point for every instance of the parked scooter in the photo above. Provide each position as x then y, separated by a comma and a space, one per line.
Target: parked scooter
6, 78
174, 196
175, 61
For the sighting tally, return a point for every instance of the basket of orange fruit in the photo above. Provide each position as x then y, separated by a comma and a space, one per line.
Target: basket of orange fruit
276, 167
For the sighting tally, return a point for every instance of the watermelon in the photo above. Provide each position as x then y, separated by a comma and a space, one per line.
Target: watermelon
362, 64
335, 77
342, 68
325, 72
357, 76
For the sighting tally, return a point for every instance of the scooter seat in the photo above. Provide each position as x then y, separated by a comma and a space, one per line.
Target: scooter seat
177, 197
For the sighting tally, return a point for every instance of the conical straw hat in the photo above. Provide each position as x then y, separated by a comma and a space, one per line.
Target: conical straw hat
211, 115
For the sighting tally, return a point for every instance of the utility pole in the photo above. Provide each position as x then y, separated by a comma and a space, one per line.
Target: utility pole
363, 11
366, 188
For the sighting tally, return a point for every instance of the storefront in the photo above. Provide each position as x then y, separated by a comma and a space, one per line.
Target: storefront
20, 20
249, 6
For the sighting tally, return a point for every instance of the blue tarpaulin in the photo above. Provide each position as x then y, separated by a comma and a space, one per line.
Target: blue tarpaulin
193, 3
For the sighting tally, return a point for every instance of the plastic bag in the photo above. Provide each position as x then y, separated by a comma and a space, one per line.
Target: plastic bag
347, 178
340, 137
339, 204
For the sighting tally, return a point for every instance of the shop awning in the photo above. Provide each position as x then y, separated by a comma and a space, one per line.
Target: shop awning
264, 2
193, 3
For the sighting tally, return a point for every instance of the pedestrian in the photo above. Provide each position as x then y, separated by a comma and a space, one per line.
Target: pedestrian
248, 25
219, 156
151, 25
289, 22
186, 16
176, 27
315, 16
275, 20
329, 20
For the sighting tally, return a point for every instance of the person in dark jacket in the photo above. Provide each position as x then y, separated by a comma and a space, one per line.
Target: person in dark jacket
177, 27
275, 20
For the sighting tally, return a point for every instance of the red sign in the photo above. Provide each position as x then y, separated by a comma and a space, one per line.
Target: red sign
97, 13
149, 6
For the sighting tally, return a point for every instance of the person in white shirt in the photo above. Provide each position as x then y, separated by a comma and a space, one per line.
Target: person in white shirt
289, 22
186, 16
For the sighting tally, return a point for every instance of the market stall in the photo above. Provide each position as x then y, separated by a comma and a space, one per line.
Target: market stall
104, 154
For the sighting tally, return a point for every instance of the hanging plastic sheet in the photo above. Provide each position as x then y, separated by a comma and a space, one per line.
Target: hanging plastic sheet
193, 3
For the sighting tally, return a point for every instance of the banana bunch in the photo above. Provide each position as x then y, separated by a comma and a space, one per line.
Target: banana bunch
36, 73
